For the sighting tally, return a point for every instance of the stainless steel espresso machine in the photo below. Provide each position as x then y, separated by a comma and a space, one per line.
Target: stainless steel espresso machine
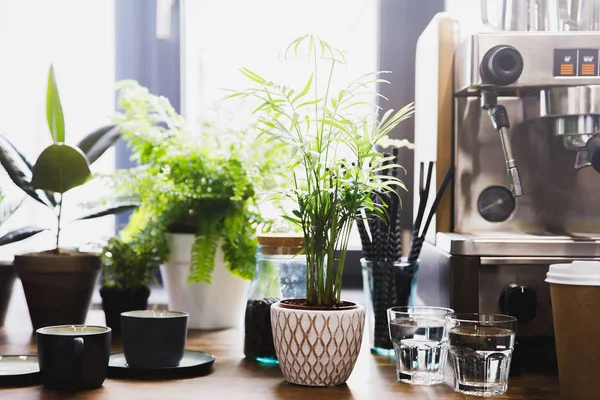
517, 112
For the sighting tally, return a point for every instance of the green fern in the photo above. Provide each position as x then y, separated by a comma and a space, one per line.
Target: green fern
206, 184
202, 263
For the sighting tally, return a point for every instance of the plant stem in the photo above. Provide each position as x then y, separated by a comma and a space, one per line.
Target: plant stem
58, 223
346, 231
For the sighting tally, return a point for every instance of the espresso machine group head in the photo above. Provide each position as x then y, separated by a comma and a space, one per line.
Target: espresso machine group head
524, 104
575, 115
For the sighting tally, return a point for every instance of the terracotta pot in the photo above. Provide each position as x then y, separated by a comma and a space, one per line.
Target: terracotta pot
218, 305
58, 287
317, 347
115, 301
7, 280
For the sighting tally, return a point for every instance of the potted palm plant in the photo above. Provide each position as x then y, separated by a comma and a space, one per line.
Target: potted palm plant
127, 272
333, 134
7, 269
197, 193
58, 283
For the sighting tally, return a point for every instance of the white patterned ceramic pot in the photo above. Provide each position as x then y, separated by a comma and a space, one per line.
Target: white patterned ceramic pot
317, 347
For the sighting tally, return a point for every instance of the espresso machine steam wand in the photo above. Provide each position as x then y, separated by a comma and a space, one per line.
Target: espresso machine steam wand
499, 117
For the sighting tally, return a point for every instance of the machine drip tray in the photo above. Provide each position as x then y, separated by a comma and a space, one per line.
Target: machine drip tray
520, 245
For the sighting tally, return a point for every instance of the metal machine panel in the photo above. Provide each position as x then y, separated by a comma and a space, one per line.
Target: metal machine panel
538, 51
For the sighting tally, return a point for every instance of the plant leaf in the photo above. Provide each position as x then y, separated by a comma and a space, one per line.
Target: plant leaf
54, 114
305, 90
110, 210
19, 171
253, 76
307, 103
20, 234
97, 142
59, 168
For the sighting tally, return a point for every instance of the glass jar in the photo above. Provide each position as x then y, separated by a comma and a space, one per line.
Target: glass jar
386, 285
280, 274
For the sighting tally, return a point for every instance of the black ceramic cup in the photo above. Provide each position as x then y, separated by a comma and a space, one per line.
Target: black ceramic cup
153, 339
73, 357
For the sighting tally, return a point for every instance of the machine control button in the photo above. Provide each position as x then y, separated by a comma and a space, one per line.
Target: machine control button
519, 301
565, 62
592, 148
496, 204
501, 65
588, 62
595, 160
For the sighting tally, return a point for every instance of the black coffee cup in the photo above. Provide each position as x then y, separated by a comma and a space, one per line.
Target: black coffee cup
73, 357
153, 339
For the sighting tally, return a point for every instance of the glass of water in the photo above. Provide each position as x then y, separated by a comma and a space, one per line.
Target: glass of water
419, 335
481, 347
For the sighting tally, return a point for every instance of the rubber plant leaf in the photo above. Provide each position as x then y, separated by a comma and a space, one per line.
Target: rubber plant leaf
109, 210
20, 171
100, 140
59, 168
54, 113
20, 234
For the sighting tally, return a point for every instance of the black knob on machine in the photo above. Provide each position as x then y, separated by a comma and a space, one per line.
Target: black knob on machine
501, 65
519, 301
595, 160
593, 148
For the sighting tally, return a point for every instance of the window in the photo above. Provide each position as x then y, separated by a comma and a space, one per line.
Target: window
221, 36
78, 38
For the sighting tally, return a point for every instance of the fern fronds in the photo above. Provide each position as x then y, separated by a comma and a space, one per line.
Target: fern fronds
204, 248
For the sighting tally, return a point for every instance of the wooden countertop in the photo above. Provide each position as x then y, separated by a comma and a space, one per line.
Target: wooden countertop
234, 377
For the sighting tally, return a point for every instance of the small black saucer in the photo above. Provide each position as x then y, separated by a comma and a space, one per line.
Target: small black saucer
19, 371
194, 363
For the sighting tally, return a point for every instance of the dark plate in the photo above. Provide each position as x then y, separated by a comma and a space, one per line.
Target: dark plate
19, 370
194, 363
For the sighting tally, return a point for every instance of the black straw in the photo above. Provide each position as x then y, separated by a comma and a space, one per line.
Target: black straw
418, 236
415, 246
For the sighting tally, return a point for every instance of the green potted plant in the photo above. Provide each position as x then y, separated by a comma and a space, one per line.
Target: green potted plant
7, 269
58, 283
333, 134
127, 272
197, 193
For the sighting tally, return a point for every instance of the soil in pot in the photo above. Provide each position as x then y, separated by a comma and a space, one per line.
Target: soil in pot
58, 287
7, 280
115, 301
258, 339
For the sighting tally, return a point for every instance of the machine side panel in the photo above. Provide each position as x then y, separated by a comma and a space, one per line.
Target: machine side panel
433, 111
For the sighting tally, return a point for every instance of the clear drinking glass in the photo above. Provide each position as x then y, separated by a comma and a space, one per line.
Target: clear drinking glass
419, 335
481, 347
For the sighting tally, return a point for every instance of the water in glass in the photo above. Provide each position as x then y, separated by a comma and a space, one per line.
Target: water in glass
481, 357
421, 349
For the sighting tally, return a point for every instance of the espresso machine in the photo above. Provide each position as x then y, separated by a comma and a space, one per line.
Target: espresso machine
516, 111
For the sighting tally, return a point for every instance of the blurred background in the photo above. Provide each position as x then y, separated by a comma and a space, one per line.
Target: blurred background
186, 50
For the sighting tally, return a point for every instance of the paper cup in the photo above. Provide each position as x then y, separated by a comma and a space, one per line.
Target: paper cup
575, 295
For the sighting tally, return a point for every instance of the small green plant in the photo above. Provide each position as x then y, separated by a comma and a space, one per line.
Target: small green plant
204, 183
60, 167
128, 265
335, 165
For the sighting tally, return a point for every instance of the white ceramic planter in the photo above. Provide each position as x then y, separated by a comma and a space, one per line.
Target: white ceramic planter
317, 347
218, 305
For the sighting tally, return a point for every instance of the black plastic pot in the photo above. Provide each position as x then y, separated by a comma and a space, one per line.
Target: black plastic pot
115, 301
